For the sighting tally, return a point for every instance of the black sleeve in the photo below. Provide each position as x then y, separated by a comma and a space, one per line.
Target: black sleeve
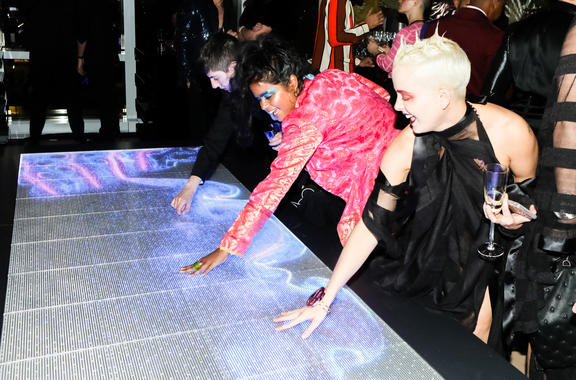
381, 215
216, 140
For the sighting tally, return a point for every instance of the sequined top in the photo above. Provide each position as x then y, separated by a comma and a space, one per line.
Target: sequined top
338, 132
196, 21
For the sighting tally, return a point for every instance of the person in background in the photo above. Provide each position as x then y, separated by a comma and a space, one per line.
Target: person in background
257, 19
472, 28
51, 34
337, 32
196, 21
335, 126
235, 118
98, 48
545, 266
426, 210
527, 59
414, 11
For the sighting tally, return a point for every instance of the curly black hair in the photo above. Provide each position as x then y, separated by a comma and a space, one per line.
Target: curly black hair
271, 60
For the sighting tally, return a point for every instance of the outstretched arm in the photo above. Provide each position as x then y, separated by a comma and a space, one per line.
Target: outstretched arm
299, 144
357, 249
294, 153
215, 143
565, 130
395, 165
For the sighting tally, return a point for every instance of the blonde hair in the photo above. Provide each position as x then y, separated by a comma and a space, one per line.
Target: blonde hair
438, 61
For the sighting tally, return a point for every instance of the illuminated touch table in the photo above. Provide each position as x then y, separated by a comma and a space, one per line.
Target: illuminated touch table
94, 290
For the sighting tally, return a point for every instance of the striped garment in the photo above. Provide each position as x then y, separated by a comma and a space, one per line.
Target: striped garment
335, 35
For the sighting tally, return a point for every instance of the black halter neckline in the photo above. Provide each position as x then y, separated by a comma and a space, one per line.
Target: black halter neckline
466, 120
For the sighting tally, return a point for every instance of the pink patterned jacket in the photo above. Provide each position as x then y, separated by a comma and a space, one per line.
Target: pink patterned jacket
338, 132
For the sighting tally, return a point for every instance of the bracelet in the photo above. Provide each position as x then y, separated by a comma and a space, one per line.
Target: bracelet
80, 57
323, 305
316, 296
317, 299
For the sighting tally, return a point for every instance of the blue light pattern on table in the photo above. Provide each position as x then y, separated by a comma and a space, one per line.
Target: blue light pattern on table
93, 289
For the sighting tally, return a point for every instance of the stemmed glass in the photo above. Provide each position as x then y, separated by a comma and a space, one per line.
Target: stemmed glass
495, 180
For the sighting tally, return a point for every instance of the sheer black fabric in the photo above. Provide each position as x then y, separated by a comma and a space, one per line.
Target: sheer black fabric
546, 290
527, 59
431, 225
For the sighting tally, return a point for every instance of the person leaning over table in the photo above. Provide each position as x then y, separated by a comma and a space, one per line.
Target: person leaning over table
426, 209
336, 126
237, 118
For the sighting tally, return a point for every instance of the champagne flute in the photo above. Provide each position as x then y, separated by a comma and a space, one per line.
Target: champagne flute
495, 180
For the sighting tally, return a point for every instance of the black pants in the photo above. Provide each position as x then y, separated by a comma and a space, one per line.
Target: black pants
102, 86
312, 214
52, 84
318, 206
308, 201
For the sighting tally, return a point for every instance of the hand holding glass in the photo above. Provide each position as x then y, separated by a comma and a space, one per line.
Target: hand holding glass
495, 181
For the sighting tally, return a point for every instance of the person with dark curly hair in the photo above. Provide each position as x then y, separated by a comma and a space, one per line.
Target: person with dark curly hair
335, 126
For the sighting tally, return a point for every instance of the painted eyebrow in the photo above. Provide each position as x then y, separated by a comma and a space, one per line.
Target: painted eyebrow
268, 93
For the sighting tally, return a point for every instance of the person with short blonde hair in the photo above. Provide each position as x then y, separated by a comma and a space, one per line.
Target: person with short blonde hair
440, 60
472, 28
426, 210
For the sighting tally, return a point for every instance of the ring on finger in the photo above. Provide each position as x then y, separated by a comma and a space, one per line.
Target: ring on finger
197, 265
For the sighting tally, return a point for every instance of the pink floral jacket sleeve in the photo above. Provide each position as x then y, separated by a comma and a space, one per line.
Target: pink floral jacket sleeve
298, 145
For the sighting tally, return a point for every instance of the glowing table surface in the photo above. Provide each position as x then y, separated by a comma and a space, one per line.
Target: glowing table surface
94, 290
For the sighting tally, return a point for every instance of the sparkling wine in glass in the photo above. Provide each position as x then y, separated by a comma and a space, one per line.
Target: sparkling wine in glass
495, 180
